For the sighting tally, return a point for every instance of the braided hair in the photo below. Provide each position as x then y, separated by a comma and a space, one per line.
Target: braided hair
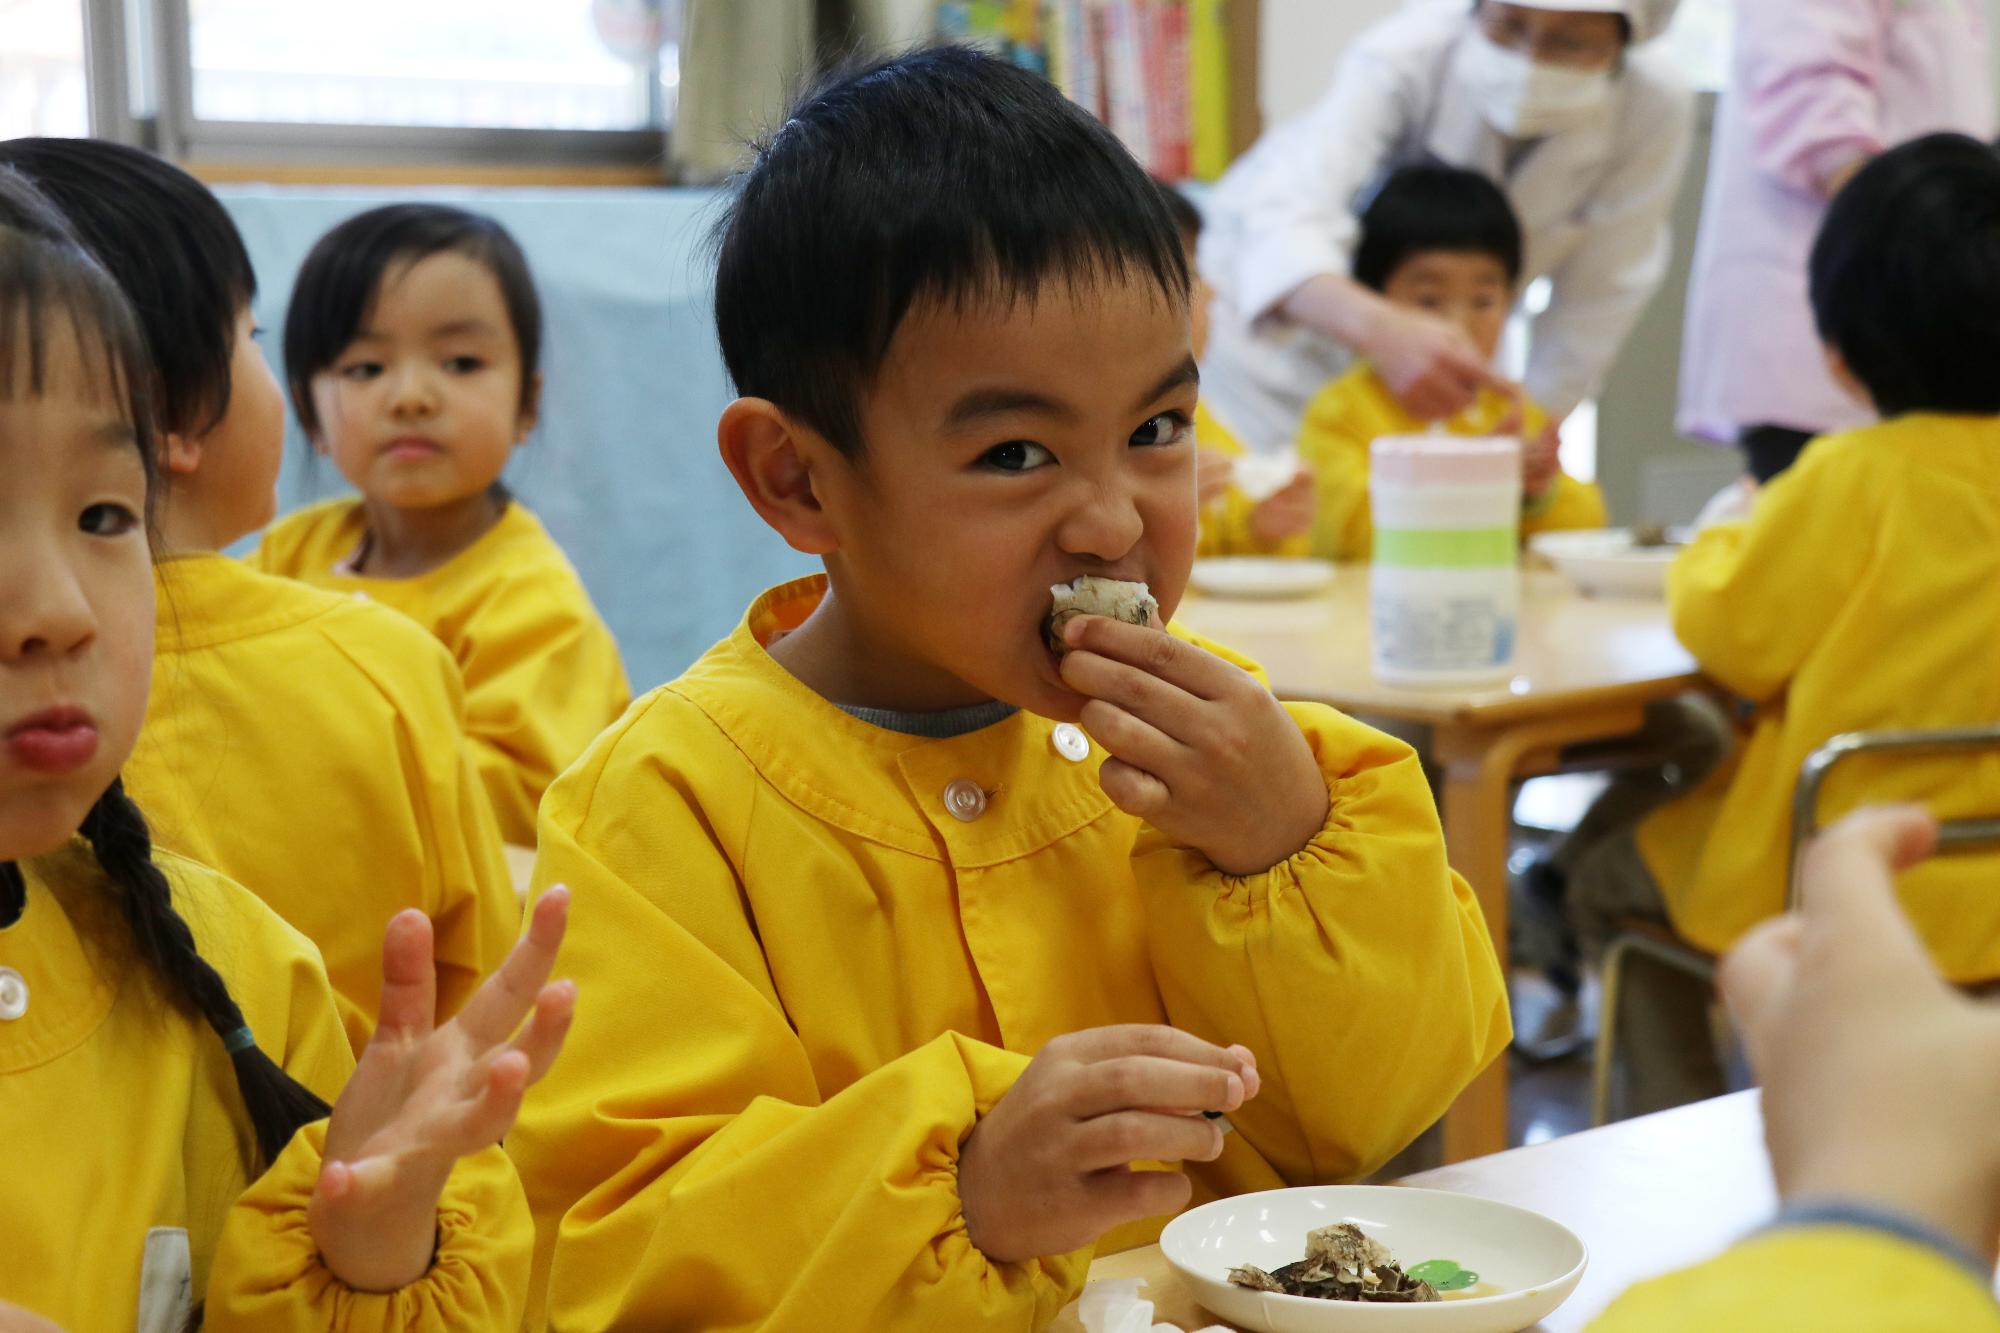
278, 1104
47, 277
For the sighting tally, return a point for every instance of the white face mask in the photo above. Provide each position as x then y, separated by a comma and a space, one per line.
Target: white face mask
1523, 98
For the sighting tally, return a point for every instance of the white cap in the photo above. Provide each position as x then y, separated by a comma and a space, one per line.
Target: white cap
1649, 18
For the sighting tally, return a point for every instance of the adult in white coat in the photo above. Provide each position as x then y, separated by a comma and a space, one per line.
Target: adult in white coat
1562, 102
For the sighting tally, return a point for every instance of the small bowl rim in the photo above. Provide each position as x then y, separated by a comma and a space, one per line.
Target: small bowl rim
1573, 1273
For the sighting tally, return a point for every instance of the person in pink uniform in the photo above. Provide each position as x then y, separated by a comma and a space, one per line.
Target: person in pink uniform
1818, 87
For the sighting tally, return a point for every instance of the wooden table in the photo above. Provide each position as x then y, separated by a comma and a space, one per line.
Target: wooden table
1585, 670
1646, 1196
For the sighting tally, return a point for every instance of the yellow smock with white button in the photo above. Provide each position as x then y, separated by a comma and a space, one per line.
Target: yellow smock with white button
311, 746
124, 1167
1343, 419
821, 950
542, 673
1862, 594
1812, 1279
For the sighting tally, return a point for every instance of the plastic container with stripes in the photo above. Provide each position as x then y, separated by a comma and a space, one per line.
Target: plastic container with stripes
1445, 586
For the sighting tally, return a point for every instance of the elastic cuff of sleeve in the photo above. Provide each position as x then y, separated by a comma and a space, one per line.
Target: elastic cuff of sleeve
1875, 1217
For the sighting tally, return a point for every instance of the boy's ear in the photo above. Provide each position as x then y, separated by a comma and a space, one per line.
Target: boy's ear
180, 455
772, 458
1843, 375
530, 414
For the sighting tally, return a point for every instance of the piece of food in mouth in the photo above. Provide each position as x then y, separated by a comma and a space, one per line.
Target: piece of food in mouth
1341, 1264
1090, 595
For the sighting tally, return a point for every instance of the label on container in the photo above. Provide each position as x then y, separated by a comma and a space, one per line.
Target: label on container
1443, 624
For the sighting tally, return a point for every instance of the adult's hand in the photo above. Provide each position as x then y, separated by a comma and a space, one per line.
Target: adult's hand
1429, 364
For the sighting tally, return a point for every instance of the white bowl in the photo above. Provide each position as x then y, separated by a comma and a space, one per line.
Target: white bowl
1607, 563
1534, 1261
1261, 576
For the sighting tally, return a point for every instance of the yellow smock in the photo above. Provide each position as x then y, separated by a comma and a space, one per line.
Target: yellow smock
126, 1154
1863, 593
542, 673
1357, 409
812, 980
1225, 524
1812, 1279
311, 747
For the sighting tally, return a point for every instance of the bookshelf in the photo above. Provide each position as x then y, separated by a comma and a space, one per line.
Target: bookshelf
1176, 80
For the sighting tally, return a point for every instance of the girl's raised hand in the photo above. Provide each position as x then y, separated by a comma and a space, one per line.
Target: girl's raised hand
424, 1096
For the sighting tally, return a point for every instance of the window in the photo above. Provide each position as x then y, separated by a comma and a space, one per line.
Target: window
512, 64
42, 86
519, 83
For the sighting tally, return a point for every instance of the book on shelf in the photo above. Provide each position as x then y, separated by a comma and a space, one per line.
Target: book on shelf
1156, 71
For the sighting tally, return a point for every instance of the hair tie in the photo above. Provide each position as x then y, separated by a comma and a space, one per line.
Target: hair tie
240, 1040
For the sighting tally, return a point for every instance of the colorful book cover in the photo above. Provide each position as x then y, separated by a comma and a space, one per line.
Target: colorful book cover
1208, 87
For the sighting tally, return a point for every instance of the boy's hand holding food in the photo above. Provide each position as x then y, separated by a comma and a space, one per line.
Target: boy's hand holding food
1199, 749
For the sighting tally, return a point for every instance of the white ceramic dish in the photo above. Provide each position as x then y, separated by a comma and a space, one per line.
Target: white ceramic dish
1261, 576
1533, 1261
1605, 562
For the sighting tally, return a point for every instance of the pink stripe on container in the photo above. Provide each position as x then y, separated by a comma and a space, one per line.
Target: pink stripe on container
1423, 460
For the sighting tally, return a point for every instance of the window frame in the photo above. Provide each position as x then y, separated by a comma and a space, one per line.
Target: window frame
138, 59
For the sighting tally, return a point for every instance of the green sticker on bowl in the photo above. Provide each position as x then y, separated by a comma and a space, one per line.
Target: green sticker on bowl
1444, 1274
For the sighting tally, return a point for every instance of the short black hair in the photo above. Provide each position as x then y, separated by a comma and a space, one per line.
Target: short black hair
939, 175
1429, 207
340, 278
1905, 277
1187, 218
171, 247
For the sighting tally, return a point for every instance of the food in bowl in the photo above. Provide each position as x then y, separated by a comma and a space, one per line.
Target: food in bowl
1344, 1263
1090, 595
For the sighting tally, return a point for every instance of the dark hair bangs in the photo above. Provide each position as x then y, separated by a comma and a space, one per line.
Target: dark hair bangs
941, 176
1430, 208
51, 287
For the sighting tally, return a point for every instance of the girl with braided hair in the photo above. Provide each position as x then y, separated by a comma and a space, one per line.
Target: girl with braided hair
168, 1045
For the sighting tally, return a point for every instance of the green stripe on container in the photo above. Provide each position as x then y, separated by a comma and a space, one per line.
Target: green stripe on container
1445, 548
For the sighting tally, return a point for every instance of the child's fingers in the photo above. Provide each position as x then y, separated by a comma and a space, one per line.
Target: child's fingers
542, 1040
1148, 1082
1122, 1195
1135, 741
1133, 790
1118, 1040
1145, 1136
409, 978
498, 1006
1757, 978
1157, 654
1161, 703
488, 1117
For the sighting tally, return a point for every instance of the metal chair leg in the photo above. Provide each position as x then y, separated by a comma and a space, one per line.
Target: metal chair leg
1611, 994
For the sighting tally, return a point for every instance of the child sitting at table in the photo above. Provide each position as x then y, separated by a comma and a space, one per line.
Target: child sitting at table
1862, 594
1445, 240
412, 346
1233, 522
921, 922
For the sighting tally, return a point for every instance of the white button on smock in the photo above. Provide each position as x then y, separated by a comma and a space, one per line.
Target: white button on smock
965, 799
13, 994
1070, 742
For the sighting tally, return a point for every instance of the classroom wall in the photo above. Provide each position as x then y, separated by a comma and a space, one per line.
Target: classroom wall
1302, 41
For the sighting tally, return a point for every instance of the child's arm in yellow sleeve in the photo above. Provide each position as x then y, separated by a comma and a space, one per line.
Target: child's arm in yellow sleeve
1750, 599
684, 1168
1359, 971
1569, 505
543, 679
1333, 445
1813, 1279
268, 1275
